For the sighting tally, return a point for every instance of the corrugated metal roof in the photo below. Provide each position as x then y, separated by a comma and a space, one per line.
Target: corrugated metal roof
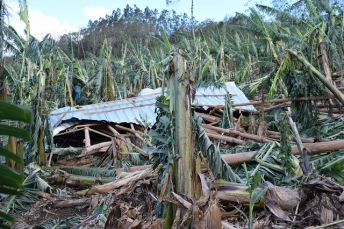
133, 110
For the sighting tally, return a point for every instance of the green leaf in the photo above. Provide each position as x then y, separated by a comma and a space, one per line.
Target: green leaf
5, 190
15, 132
4, 226
257, 178
5, 216
165, 38
10, 177
10, 155
239, 210
24, 15
258, 195
17, 113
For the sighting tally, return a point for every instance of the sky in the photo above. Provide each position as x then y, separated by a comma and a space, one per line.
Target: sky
62, 16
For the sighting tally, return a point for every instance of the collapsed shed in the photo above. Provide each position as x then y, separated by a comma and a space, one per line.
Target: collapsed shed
95, 125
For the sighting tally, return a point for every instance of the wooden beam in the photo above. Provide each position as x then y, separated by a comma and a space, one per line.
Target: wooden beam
138, 136
87, 138
94, 148
226, 138
141, 151
318, 147
100, 133
238, 133
58, 122
325, 97
129, 130
209, 118
70, 131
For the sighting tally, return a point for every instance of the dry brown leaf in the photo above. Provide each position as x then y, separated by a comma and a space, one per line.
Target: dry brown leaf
262, 129
176, 219
158, 224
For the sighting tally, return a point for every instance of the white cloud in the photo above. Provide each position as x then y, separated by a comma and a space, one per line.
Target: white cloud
94, 13
40, 24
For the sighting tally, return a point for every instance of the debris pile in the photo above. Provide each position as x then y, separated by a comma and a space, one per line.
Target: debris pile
107, 170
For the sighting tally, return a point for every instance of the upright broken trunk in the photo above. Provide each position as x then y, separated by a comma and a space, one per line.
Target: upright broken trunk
12, 147
40, 143
183, 146
323, 54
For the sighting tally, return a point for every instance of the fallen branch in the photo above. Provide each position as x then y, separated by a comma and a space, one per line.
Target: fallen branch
139, 137
148, 173
94, 148
76, 161
71, 203
209, 118
77, 180
66, 151
314, 148
286, 100
238, 133
226, 138
139, 150
129, 130
277, 136
277, 199
133, 169
185, 203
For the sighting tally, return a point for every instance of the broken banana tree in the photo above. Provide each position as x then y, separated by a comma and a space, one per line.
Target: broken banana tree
182, 164
177, 137
318, 74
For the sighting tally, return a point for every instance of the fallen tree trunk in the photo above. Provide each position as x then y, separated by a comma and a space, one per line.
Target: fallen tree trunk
139, 150
334, 110
66, 151
288, 104
94, 148
72, 203
77, 180
277, 199
148, 173
226, 138
277, 135
209, 118
286, 100
239, 158
238, 133
129, 130
210, 131
139, 136
314, 148
76, 161
133, 169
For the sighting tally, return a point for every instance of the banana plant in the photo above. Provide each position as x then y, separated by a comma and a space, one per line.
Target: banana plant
10, 179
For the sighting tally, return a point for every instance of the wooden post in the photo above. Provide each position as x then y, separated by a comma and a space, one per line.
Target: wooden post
114, 150
87, 138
